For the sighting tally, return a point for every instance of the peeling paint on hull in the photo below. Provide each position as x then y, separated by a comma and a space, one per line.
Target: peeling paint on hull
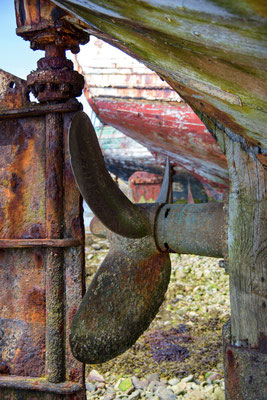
168, 130
133, 99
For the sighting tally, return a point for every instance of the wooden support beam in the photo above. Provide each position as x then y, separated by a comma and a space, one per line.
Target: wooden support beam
246, 341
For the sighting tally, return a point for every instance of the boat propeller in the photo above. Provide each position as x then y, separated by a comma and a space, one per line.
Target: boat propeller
129, 286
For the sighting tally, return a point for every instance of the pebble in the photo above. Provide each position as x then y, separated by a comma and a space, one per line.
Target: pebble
135, 395
189, 378
95, 376
197, 395
209, 389
104, 243
110, 390
138, 383
125, 385
96, 246
90, 387
199, 274
213, 377
179, 388
153, 385
165, 394
173, 381
100, 385
163, 380
152, 377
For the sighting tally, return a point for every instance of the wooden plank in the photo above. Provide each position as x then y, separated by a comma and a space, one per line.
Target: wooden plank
247, 247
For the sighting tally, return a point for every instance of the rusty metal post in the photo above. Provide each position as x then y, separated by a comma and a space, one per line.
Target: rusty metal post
54, 267
41, 225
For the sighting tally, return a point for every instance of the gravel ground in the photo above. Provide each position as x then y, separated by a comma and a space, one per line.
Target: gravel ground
155, 388
179, 356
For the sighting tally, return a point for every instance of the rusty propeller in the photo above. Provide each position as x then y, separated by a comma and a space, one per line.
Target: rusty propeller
129, 286
131, 282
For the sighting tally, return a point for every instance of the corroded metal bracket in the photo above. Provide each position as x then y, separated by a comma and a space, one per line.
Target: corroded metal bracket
130, 284
43, 25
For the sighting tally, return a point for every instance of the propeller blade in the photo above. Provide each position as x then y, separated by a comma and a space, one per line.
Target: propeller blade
98, 189
122, 300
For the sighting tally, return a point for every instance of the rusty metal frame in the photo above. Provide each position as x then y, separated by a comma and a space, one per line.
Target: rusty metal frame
41, 249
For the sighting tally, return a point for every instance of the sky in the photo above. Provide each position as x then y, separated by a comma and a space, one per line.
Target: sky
16, 56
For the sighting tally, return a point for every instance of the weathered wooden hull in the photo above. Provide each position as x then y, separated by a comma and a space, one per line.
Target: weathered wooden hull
128, 96
170, 130
212, 53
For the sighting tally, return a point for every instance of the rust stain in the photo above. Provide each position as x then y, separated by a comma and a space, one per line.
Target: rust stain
22, 164
30, 355
34, 307
147, 277
37, 231
39, 259
232, 376
15, 182
31, 16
